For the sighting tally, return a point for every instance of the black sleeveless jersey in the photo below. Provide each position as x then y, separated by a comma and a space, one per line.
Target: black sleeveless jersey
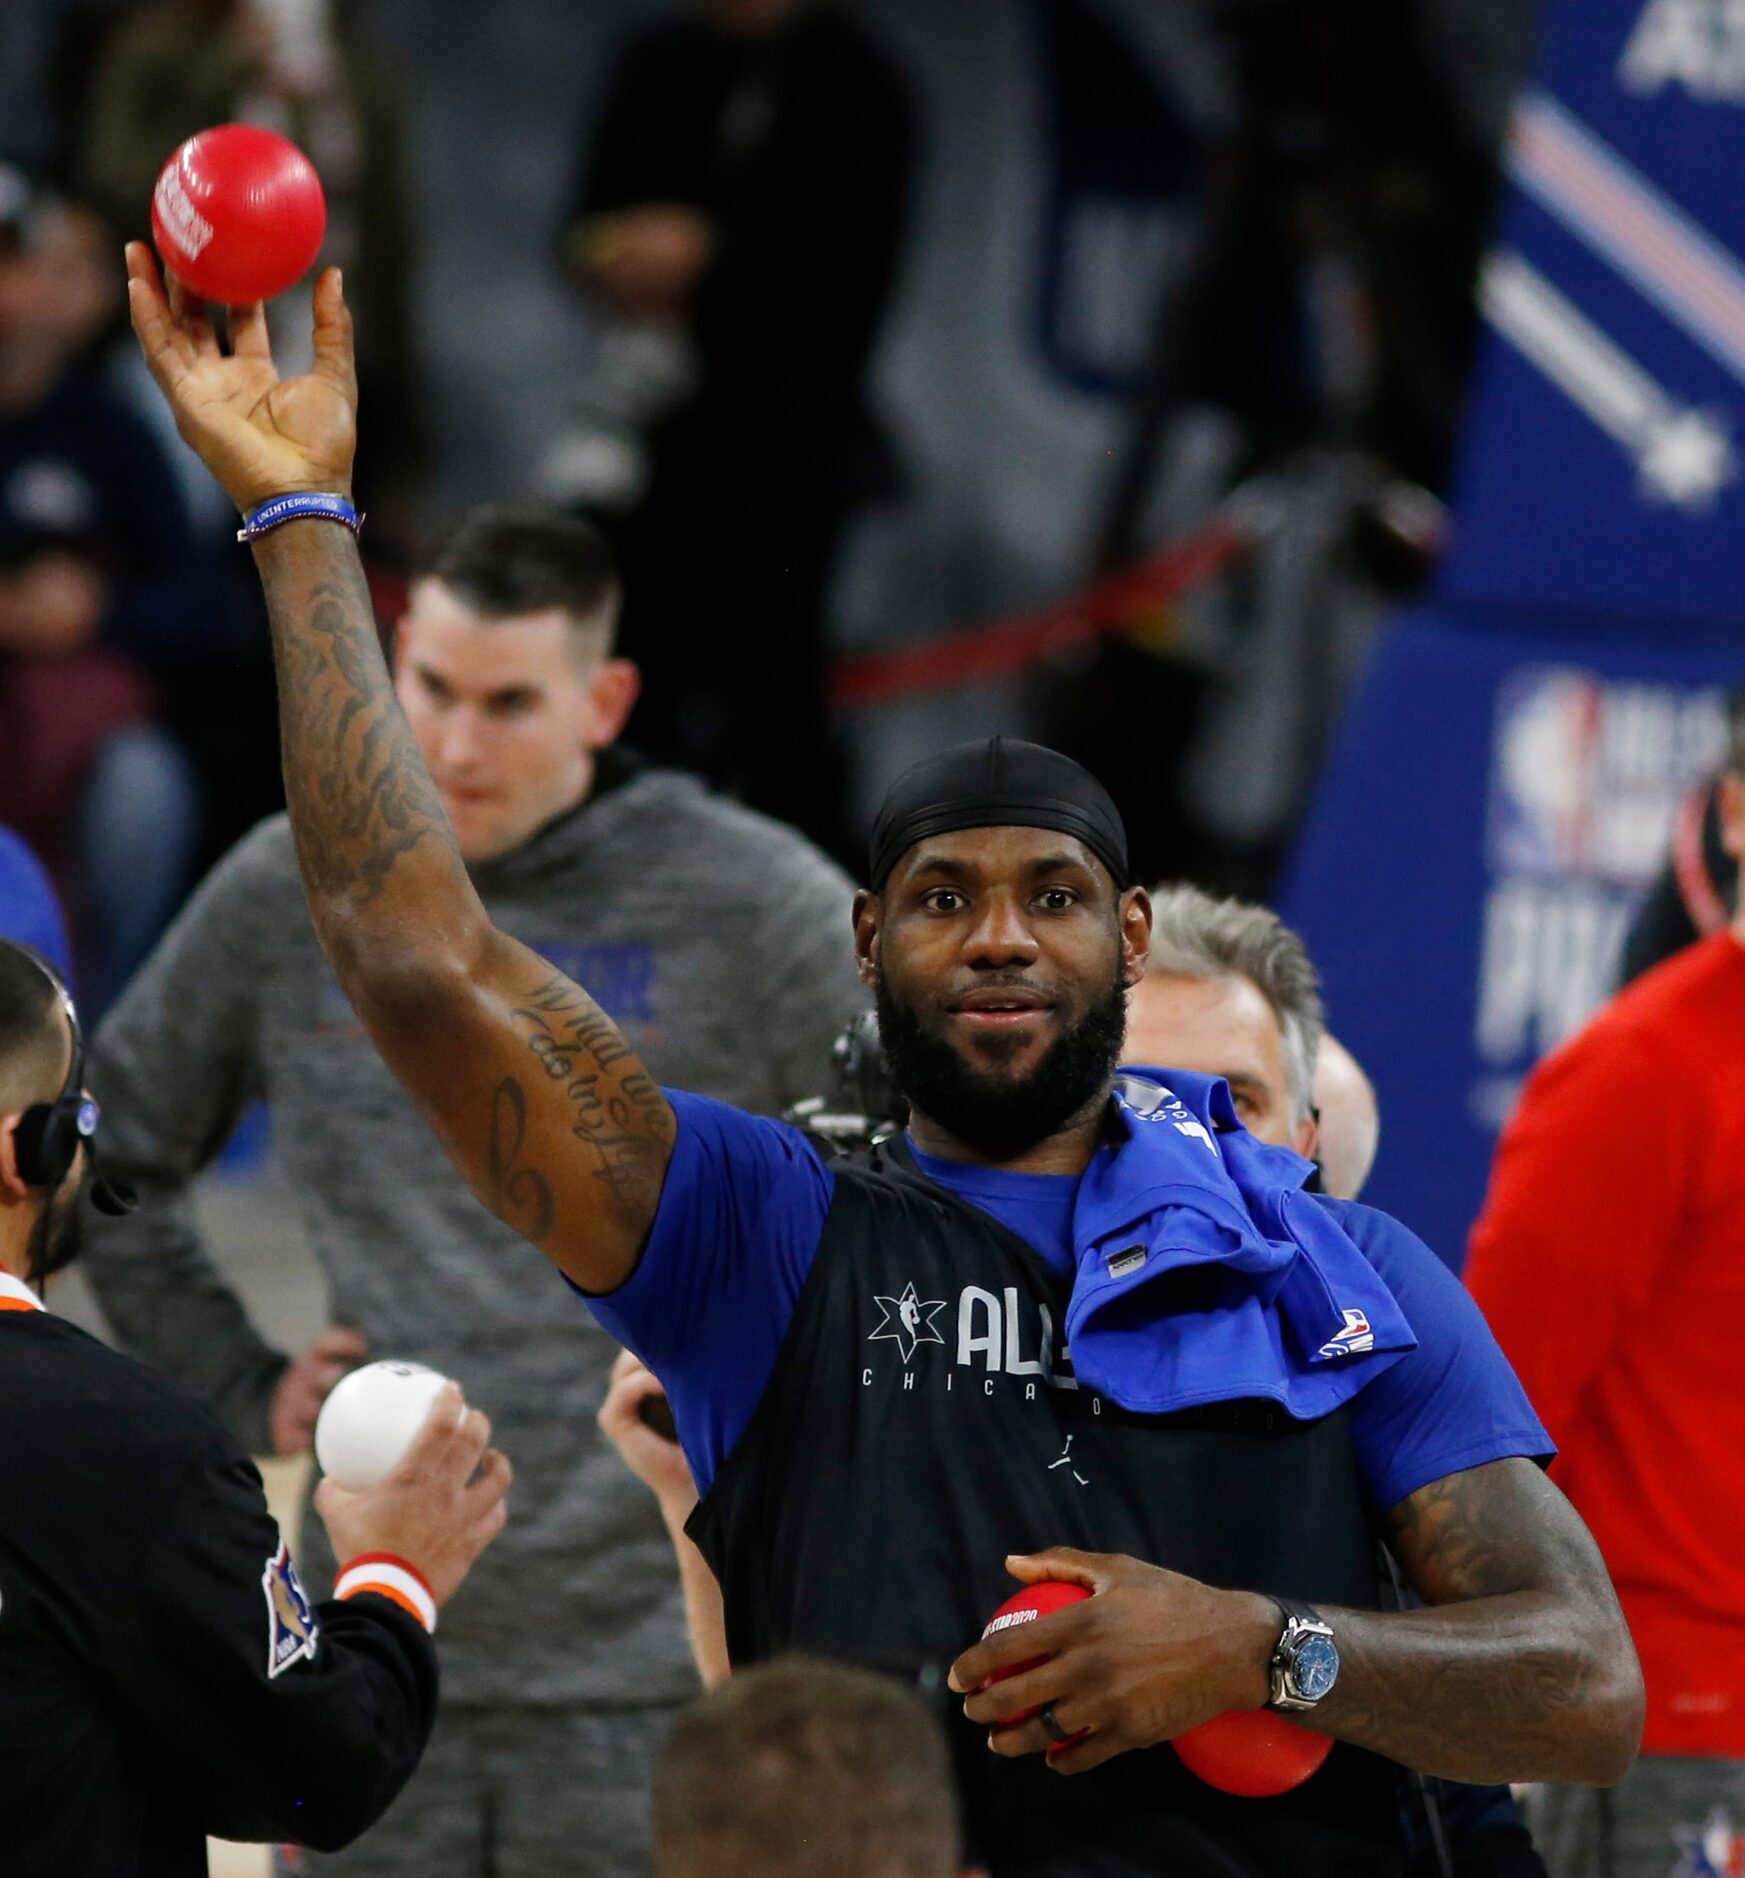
922, 1422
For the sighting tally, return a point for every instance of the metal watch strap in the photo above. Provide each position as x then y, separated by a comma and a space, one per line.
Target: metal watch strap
1297, 1617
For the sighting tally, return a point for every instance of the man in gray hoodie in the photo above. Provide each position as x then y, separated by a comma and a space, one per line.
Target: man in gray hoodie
718, 940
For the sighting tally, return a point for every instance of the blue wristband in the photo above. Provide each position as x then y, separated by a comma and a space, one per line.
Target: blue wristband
300, 506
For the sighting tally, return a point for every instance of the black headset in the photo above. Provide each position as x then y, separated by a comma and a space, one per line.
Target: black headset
50, 1134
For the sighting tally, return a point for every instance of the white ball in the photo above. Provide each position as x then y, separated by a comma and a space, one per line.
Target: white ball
372, 1417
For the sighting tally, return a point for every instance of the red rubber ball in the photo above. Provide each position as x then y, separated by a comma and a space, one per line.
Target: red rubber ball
238, 214
1252, 1753
1034, 1601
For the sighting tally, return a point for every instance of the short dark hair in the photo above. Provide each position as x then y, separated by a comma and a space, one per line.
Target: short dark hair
509, 558
1736, 728
801, 1768
31, 1042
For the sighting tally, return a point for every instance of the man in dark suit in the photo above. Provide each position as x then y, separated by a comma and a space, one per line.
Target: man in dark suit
163, 1673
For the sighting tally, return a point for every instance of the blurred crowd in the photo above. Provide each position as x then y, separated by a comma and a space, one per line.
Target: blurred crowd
743, 207
136, 714
644, 629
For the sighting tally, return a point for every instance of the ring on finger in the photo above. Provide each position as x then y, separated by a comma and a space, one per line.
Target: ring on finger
1052, 1728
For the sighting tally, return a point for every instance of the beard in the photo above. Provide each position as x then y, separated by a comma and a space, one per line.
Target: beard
1002, 1116
58, 1235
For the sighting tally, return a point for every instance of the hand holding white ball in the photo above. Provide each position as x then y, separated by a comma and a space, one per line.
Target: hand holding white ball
370, 1420
411, 1474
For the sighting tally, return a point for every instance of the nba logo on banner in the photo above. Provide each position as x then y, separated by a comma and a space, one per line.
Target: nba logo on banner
1587, 773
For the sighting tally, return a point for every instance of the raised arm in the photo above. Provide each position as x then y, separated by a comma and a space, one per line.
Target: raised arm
541, 1105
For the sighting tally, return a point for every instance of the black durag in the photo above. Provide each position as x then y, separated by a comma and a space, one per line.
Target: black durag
997, 782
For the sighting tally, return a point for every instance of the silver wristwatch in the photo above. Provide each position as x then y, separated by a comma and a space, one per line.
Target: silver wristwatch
1305, 1663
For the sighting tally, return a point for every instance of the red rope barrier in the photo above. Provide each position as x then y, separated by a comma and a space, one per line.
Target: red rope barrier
999, 648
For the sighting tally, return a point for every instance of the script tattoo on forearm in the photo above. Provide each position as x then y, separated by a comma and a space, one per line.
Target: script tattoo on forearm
1513, 1671
618, 1111
361, 798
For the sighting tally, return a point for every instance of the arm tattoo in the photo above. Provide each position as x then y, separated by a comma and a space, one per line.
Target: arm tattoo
1519, 1669
396, 912
617, 1109
523, 1192
1461, 1540
361, 799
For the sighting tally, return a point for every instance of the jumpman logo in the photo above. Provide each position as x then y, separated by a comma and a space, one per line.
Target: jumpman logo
1066, 1461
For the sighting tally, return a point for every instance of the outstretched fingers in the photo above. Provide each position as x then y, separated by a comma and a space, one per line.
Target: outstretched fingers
168, 353
248, 333
335, 360
189, 312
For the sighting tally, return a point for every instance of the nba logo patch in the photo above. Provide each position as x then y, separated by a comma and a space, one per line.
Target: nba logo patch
292, 1631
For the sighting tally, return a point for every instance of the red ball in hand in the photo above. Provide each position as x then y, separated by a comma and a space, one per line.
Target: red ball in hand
238, 214
1252, 1752
1034, 1601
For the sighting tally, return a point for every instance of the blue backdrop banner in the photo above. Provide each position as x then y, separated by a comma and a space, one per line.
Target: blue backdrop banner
1494, 807
1602, 468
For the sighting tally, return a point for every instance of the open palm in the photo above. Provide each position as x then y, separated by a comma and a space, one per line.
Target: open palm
259, 434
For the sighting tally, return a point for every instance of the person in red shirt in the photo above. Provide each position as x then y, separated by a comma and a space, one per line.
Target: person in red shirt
1610, 1260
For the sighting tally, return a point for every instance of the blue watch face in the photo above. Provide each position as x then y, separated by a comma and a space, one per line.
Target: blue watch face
1315, 1667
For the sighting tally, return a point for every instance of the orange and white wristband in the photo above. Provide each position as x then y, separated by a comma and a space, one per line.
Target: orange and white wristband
392, 1578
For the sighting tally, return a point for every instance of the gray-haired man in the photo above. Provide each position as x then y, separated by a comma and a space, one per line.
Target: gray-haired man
1229, 991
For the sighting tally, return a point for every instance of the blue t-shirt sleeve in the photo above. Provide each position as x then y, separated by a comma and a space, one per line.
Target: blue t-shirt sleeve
1451, 1403
713, 1295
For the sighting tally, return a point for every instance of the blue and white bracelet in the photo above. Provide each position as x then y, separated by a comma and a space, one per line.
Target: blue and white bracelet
301, 505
